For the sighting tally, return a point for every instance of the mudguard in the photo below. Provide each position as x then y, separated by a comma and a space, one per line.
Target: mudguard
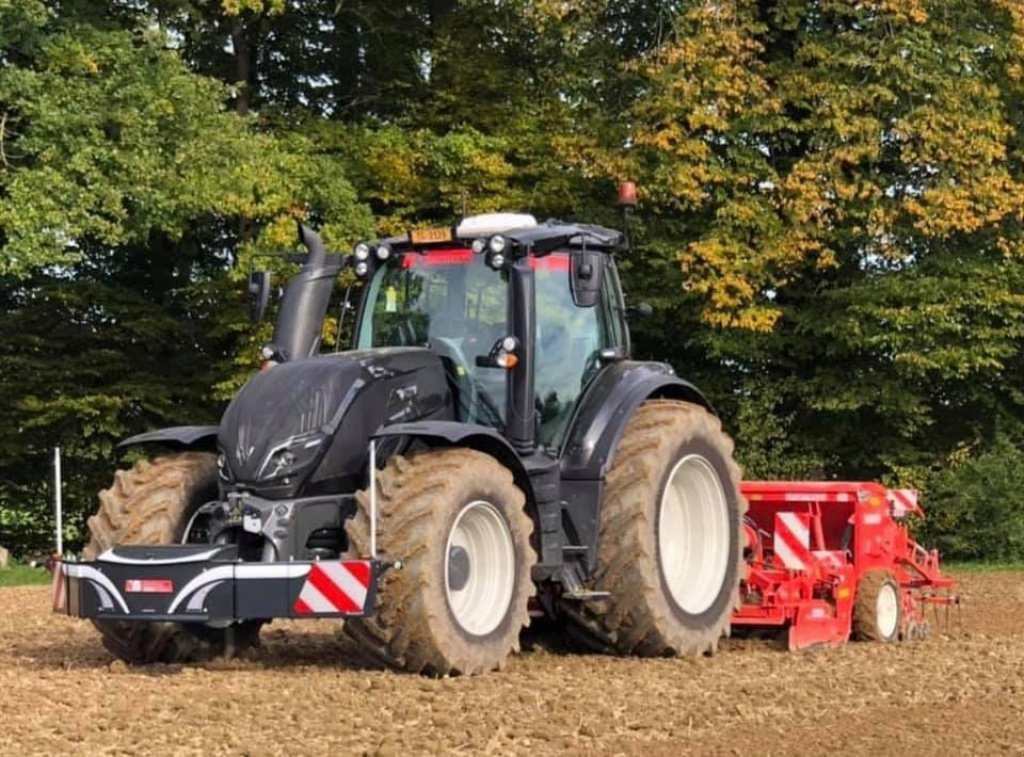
606, 408
471, 435
194, 437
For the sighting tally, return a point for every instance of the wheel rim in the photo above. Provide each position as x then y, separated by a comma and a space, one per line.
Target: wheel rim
479, 568
693, 534
887, 610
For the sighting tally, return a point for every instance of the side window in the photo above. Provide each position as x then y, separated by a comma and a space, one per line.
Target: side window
614, 309
568, 347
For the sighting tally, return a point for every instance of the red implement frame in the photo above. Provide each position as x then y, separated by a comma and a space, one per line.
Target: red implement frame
807, 546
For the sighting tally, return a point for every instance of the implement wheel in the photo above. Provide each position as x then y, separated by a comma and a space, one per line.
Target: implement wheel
455, 519
877, 611
151, 504
670, 537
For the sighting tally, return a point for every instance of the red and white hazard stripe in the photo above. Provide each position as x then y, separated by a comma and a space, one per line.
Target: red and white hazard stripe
335, 587
903, 501
792, 541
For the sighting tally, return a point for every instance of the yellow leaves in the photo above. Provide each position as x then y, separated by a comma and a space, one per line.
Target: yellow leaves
904, 11
279, 234
237, 7
979, 202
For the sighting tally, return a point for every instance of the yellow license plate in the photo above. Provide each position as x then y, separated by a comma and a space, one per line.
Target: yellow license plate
430, 236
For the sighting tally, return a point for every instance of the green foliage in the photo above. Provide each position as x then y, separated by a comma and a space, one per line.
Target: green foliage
829, 231
126, 191
23, 575
976, 509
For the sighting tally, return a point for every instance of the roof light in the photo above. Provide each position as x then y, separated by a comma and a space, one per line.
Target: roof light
497, 243
479, 245
362, 268
383, 252
497, 261
492, 223
362, 251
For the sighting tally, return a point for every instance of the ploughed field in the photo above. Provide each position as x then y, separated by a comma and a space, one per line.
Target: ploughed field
308, 690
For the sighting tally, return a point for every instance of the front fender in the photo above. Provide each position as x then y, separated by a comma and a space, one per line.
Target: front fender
608, 404
188, 437
471, 435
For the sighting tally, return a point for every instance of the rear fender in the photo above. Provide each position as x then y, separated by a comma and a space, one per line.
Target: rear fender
609, 403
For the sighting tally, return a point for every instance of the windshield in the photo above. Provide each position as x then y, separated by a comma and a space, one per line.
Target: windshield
453, 303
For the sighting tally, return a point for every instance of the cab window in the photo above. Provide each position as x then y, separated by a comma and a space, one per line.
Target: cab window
568, 347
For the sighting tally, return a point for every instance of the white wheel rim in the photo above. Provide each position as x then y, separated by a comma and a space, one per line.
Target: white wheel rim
693, 534
887, 611
482, 594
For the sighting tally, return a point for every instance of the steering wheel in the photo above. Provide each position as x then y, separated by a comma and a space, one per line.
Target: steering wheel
450, 352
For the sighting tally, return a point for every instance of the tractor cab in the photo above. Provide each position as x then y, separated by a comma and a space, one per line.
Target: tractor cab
499, 298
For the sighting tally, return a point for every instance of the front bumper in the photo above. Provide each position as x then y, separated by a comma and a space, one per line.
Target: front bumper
204, 583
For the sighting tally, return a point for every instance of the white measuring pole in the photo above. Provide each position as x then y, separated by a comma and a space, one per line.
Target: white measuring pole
58, 505
373, 499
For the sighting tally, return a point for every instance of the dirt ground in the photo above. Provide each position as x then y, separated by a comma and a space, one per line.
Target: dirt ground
308, 692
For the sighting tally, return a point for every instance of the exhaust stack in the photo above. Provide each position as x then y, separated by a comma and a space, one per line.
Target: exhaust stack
305, 301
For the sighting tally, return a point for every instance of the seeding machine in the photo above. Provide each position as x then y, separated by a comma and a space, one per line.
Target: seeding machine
487, 449
827, 560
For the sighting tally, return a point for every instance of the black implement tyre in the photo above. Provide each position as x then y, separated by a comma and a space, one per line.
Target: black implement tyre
876, 610
151, 503
457, 522
670, 538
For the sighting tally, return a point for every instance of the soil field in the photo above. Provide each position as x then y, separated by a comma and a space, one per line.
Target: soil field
308, 691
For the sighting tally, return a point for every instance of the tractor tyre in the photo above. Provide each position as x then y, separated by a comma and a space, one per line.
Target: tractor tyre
456, 521
877, 614
151, 503
670, 548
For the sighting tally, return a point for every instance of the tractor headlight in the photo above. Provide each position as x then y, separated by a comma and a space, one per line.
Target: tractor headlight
479, 245
362, 251
497, 243
383, 252
291, 456
222, 467
362, 268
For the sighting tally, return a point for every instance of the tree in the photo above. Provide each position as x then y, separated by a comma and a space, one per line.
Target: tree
842, 186
127, 189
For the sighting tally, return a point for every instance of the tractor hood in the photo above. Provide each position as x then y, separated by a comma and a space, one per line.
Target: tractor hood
304, 426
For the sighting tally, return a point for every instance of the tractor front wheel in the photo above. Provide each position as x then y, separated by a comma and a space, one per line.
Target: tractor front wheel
456, 521
151, 503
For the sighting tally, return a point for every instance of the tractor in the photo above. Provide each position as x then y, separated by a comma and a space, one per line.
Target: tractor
486, 452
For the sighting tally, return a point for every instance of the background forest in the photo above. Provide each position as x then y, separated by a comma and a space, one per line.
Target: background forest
830, 230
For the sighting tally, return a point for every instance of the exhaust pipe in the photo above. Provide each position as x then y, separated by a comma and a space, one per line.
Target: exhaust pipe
306, 298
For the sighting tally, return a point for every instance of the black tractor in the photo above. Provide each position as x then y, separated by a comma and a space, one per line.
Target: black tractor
486, 452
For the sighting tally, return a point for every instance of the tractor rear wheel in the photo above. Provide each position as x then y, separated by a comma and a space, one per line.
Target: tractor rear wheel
670, 537
456, 520
877, 614
151, 503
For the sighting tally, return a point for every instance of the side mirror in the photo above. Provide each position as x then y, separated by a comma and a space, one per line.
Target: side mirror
586, 275
259, 294
640, 311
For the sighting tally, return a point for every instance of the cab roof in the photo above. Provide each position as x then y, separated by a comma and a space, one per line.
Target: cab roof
537, 239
